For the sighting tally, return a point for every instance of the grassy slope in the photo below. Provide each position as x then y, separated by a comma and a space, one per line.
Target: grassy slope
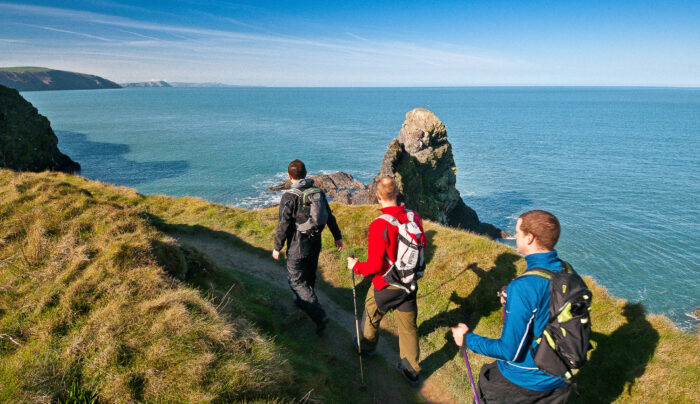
55, 301
639, 357
24, 69
85, 299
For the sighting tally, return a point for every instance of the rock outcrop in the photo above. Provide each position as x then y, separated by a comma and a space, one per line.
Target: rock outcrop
420, 160
340, 187
41, 79
27, 142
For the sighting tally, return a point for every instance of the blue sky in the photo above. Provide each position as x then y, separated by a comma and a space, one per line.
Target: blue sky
360, 43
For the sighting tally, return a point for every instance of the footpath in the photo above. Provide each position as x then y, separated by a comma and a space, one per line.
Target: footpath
385, 386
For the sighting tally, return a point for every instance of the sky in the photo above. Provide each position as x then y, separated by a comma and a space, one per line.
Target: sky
361, 43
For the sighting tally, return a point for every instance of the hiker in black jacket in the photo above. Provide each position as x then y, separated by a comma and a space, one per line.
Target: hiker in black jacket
304, 243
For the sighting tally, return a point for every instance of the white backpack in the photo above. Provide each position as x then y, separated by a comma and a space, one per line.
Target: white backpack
410, 261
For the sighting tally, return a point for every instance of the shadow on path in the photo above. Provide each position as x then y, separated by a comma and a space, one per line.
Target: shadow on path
480, 302
618, 359
105, 161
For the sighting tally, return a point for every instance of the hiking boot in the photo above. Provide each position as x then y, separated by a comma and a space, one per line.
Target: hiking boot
321, 326
365, 352
413, 380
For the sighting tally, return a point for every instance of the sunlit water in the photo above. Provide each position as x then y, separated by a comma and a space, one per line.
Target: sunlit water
619, 167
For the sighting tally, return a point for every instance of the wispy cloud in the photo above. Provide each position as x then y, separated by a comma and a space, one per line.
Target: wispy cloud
298, 60
65, 31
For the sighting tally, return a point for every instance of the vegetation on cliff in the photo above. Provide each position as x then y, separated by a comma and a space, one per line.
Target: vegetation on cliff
93, 293
41, 79
27, 142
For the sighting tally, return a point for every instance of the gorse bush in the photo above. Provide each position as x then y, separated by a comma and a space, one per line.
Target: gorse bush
89, 292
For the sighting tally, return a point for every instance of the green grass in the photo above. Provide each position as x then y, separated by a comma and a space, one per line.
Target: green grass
639, 357
93, 299
81, 261
24, 69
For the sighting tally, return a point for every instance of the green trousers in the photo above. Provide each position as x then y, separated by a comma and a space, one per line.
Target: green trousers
380, 302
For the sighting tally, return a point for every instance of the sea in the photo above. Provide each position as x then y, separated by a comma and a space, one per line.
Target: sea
620, 167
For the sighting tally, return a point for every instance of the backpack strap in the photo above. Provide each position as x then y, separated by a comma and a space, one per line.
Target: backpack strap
296, 191
541, 272
391, 219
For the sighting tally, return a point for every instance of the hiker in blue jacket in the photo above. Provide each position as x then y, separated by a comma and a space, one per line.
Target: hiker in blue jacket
514, 377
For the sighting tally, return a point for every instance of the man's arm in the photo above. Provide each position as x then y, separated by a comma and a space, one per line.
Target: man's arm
333, 227
286, 214
376, 250
517, 327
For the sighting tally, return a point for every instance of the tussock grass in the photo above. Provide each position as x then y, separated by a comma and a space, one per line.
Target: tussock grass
638, 357
91, 301
89, 290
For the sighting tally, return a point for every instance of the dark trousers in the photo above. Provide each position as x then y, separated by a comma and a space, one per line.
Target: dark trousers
301, 274
494, 388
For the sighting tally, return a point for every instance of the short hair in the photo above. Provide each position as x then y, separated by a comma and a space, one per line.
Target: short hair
386, 188
297, 169
543, 225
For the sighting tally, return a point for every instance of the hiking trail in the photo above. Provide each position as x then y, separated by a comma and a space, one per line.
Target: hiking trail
384, 387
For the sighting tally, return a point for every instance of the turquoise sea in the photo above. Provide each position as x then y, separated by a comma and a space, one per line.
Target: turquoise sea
620, 167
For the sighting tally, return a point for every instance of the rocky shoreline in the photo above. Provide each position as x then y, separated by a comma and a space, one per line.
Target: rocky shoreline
420, 160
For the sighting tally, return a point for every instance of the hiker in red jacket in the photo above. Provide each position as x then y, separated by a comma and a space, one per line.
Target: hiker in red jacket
391, 291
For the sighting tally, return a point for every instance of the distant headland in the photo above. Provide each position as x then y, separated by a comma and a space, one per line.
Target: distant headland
43, 79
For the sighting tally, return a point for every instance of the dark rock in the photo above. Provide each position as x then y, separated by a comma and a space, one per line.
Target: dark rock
27, 142
327, 182
420, 160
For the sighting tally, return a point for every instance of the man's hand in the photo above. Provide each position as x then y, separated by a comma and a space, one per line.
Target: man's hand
459, 332
351, 262
275, 254
339, 245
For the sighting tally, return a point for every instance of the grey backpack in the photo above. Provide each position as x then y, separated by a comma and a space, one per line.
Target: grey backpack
312, 211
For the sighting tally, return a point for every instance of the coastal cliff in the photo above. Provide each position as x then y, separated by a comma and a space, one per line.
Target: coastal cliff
27, 142
43, 79
80, 260
158, 83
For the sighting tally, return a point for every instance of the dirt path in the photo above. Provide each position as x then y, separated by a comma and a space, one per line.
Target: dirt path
226, 255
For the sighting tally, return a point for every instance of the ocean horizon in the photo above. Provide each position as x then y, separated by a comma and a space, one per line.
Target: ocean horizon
618, 165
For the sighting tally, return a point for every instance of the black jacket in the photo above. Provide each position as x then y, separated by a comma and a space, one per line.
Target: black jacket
298, 245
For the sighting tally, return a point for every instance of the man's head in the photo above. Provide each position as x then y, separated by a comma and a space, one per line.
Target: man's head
536, 231
386, 190
296, 170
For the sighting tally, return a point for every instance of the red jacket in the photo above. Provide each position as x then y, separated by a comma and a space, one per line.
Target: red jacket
383, 242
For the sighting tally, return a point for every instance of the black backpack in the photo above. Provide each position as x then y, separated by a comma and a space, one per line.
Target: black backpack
565, 341
312, 210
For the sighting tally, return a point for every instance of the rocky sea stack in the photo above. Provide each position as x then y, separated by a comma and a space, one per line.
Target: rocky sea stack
421, 161
27, 142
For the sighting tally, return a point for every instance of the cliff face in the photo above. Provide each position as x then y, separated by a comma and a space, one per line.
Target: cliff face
40, 79
147, 84
27, 142
421, 161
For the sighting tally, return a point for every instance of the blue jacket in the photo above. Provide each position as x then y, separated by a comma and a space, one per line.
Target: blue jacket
527, 312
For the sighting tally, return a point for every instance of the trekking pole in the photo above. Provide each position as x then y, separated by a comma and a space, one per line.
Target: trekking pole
463, 349
363, 386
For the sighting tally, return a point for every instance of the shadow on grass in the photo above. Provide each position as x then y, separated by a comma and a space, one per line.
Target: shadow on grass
618, 359
325, 366
480, 302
